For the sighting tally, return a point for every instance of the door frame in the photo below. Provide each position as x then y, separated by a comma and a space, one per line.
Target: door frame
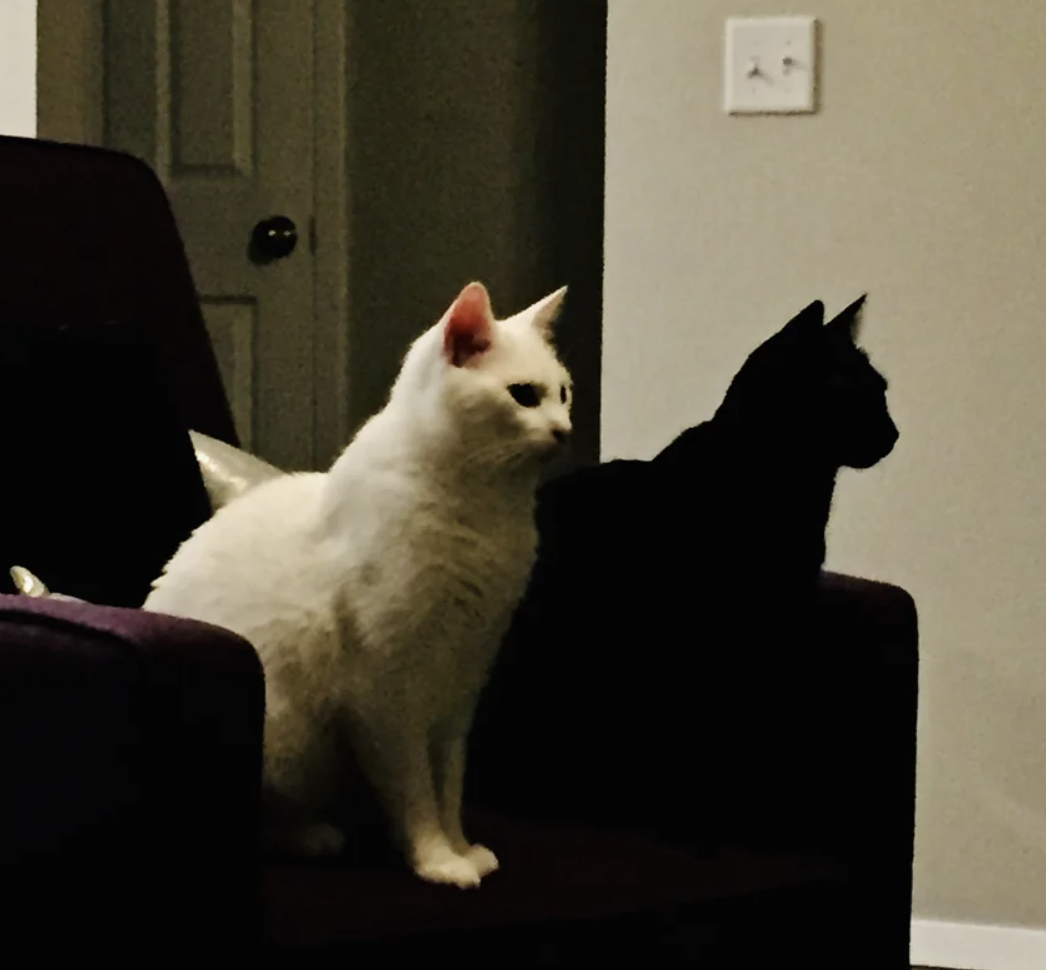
71, 108
330, 227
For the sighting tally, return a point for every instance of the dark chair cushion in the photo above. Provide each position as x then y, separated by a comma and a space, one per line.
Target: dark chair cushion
549, 874
90, 231
100, 481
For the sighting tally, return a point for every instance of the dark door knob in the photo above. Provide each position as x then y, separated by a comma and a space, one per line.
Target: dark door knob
273, 238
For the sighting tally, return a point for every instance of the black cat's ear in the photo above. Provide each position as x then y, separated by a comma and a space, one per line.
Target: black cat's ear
848, 323
806, 320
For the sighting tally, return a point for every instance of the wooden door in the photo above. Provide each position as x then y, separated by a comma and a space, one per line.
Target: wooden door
218, 96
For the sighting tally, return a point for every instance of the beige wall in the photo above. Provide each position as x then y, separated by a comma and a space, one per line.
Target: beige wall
69, 93
18, 68
923, 180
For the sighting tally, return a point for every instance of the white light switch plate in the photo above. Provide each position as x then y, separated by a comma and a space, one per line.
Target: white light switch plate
770, 65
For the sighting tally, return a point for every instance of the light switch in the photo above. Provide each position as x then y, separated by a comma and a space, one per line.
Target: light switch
770, 65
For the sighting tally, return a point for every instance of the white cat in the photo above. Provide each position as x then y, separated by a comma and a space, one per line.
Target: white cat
376, 593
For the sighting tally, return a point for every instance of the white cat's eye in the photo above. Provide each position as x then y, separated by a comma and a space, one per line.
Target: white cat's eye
525, 395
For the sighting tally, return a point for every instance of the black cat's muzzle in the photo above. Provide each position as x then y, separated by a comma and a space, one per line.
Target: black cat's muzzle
876, 442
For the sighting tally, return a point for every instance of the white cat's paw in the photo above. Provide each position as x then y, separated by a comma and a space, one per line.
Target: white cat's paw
319, 840
448, 869
483, 859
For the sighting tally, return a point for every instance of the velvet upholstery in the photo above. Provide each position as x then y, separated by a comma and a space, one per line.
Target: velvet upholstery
131, 743
100, 492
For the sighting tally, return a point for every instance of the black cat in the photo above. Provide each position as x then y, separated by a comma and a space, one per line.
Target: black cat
667, 593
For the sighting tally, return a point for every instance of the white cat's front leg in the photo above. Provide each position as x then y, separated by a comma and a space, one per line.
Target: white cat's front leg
293, 801
450, 753
399, 767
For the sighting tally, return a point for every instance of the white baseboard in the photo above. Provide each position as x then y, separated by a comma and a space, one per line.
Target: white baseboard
976, 946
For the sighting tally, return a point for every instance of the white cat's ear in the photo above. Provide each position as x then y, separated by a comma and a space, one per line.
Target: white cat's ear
468, 326
544, 313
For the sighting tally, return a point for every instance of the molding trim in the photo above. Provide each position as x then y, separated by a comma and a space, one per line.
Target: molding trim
976, 946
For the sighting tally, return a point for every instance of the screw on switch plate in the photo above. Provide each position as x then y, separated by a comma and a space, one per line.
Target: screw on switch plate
770, 65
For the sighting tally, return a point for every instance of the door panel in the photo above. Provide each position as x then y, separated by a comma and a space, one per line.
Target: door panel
232, 325
212, 88
217, 96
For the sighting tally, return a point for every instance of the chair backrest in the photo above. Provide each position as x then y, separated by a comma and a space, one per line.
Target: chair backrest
89, 232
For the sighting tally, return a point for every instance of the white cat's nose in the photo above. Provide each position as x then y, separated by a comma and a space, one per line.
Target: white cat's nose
561, 435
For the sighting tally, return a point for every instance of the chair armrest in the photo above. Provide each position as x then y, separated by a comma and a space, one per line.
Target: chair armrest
819, 739
868, 611
130, 744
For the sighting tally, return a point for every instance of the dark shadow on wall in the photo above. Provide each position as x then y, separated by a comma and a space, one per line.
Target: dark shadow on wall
477, 136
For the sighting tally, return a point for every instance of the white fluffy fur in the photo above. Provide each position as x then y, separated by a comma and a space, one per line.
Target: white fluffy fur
376, 593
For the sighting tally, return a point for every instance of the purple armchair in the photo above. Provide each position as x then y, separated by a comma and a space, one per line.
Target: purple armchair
130, 743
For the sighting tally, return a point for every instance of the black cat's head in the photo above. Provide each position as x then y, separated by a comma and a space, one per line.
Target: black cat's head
810, 385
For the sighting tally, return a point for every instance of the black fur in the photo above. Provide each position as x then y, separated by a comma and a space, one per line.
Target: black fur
660, 584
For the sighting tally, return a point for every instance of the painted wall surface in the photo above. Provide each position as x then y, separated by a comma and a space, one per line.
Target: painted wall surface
923, 181
18, 68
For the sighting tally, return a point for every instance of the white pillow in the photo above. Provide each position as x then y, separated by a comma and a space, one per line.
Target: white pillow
29, 585
227, 471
